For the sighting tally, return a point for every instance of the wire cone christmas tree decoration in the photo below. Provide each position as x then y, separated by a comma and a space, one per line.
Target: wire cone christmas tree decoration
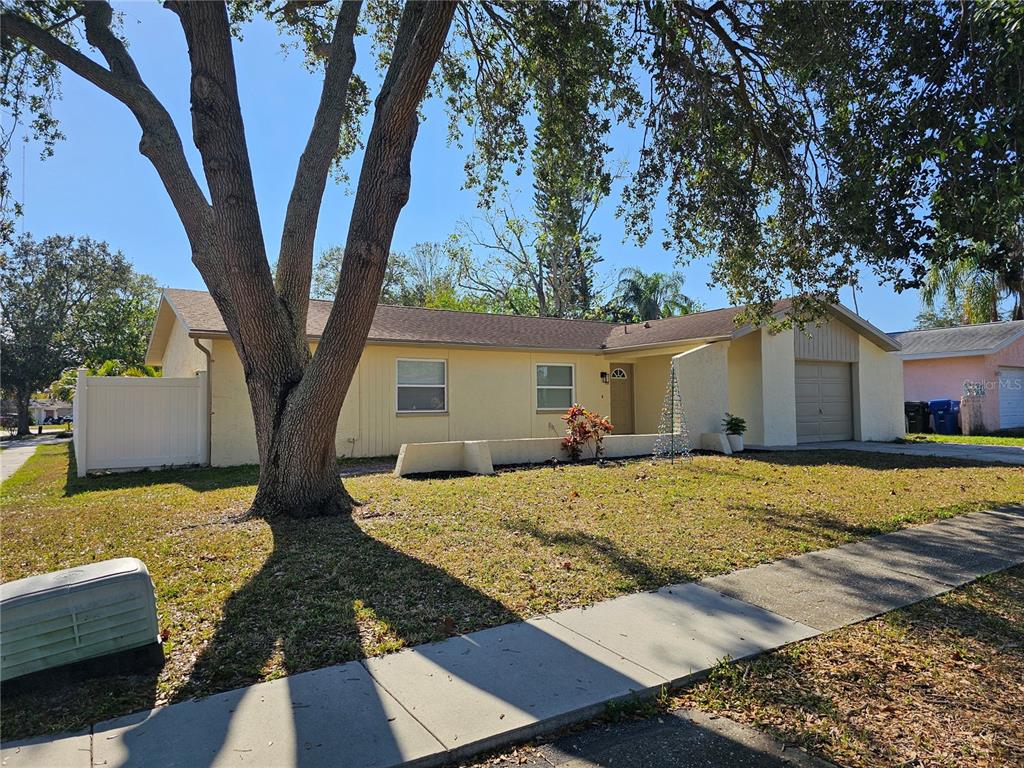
673, 439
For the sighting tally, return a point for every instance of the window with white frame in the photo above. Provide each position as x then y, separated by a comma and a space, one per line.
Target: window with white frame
421, 386
555, 386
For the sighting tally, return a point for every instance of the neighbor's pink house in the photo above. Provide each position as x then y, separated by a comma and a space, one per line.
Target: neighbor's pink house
944, 362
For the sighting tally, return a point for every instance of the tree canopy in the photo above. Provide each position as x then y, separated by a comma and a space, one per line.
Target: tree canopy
67, 301
790, 140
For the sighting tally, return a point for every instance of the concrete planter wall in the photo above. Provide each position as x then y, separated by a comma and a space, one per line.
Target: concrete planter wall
481, 456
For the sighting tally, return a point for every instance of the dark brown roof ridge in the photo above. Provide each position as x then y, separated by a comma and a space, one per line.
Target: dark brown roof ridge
427, 325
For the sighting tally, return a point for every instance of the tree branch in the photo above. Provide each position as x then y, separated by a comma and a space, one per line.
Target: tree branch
382, 191
264, 335
295, 260
160, 142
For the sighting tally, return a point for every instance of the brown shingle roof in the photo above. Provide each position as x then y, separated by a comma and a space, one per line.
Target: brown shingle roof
437, 326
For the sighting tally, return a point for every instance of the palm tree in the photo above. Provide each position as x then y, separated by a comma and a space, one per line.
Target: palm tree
64, 387
654, 295
971, 292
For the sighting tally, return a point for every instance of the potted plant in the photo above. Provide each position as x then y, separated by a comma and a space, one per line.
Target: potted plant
734, 429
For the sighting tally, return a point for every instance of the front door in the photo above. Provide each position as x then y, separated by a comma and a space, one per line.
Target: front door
621, 377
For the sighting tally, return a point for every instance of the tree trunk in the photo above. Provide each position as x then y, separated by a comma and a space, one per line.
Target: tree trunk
299, 477
23, 400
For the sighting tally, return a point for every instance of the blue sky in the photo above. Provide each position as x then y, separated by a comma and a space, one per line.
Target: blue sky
97, 183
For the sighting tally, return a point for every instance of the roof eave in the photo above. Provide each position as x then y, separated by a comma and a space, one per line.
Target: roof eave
212, 334
970, 352
160, 334
941, 355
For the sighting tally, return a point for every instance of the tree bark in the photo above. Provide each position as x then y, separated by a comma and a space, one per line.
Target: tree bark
23, 399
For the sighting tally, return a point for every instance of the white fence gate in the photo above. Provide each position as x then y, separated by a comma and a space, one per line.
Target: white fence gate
124, 422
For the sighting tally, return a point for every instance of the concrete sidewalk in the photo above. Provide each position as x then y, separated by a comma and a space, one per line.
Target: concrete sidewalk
988, 454
443, 701
14, 453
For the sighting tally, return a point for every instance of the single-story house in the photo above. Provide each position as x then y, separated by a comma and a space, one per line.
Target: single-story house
986, 359
431, 375
47, 409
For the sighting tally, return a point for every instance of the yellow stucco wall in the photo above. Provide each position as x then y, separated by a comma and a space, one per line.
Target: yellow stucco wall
778, 387
650, 383
491, 395
181, 359
878, 394
703, 375
745, 390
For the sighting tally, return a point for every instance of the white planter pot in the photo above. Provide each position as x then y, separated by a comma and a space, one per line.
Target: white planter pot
735, 442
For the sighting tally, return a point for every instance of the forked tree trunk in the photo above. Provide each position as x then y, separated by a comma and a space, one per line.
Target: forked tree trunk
295, 433
299, 477
295, 399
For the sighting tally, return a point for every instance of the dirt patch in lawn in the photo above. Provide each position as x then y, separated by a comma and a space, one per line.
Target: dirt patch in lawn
242, 600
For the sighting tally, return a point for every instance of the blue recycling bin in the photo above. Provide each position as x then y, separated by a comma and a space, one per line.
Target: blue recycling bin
945, 416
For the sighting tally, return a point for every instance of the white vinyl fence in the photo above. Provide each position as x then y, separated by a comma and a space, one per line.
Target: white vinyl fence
123, 422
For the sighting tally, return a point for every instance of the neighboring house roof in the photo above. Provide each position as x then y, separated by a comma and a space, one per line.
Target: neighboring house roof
961, 341
49, 403
415, 325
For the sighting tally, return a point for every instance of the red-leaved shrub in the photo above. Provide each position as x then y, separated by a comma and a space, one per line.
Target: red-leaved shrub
582, 427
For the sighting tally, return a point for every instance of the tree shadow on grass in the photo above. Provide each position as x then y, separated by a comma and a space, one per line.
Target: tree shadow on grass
329, 593
194, 478
606, 553
951, 659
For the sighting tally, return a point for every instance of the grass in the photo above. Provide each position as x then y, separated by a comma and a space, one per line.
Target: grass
967, 439
935, 684
243, 599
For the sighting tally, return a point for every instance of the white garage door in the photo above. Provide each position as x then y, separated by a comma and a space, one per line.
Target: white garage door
1011, 397
824, 402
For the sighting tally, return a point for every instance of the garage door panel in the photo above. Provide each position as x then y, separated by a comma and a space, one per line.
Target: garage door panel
806, 389
835, 390
1011, 397
806, 410
834, 372
806, 370
835, 411
824, 402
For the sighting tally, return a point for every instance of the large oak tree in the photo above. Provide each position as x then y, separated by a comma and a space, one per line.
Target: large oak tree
771, 132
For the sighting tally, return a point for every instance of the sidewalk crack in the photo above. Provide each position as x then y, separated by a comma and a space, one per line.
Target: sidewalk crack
400, 703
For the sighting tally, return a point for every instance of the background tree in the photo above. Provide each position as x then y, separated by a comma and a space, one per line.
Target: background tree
654, 295
64, 301
772, 135
545, 265
940, 316
427, 276
967, 291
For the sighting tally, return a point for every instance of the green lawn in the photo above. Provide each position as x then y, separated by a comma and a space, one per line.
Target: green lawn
968, 439
242, 600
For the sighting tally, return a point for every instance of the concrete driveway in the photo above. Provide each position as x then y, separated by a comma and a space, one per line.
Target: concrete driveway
14, 453
1000, 454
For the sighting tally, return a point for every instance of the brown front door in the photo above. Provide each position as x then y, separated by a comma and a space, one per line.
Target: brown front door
621, 377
